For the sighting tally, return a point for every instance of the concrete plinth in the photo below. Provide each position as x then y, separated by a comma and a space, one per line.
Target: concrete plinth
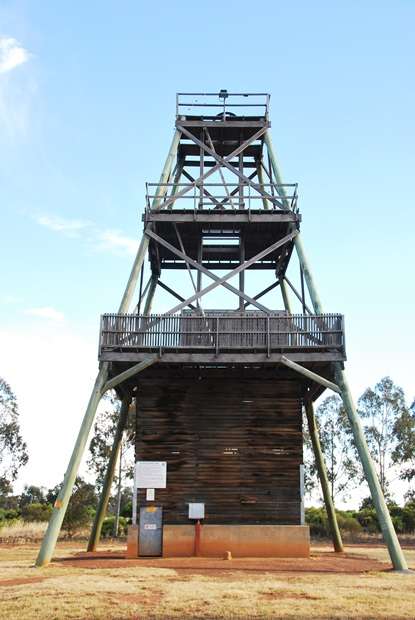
290, 541
132, 541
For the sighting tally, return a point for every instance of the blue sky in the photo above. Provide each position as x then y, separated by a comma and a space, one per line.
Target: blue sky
87, 95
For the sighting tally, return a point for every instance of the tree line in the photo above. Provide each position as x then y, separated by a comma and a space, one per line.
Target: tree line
389, 425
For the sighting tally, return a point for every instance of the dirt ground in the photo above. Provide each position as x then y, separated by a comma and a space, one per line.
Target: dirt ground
356, 584
318, 562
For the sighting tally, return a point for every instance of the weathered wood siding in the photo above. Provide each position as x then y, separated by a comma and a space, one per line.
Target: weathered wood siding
233, 443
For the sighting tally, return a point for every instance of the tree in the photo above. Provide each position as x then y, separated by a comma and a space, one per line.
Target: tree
13, 450
310, 471
81, 506
32, 495
404, 451
101, 443
343, 469
101, 446
380, 408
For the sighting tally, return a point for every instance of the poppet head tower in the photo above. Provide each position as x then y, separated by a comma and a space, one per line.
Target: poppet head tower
220, 390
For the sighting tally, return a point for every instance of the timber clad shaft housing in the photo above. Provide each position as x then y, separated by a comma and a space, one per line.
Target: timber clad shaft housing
231, 441
218, 393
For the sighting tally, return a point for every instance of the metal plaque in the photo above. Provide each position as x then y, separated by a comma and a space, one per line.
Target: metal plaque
151, 474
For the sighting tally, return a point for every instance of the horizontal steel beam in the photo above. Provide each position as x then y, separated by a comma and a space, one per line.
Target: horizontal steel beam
194, 163
211, 216
225, 358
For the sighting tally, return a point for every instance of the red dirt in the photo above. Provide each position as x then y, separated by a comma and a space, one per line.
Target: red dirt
316, 563
21, 581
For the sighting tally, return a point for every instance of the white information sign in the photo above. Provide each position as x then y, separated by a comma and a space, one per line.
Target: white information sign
150, 495
196, 510
151, 474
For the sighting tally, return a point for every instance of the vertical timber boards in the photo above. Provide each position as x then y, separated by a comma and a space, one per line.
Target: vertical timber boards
234, 443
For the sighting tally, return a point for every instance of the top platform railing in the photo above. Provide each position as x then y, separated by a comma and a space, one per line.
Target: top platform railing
222, 105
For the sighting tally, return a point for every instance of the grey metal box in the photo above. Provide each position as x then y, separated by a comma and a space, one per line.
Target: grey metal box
196, 510
150, 538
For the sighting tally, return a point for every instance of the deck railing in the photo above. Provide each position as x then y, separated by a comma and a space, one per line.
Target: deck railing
220, 196
222, 332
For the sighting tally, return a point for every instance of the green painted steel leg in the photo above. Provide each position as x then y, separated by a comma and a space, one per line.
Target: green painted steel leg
109, 476
285, 296
385, 521
261, 182
382, 512
150, 295
322, 474
61, 504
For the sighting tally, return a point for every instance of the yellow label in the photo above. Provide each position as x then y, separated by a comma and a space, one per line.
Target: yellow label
58, 503
151, 509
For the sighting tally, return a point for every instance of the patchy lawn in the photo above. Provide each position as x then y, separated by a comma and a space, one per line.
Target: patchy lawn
214, 589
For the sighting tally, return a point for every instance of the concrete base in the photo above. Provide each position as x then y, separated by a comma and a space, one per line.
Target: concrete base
132, 542
260, 541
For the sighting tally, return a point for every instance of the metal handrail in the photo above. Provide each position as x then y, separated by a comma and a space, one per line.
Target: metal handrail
222, 331
207, 200
224, 103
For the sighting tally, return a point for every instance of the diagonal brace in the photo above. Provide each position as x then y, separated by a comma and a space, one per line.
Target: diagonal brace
202, 269
174, 293
223, 162
200, 180
265, 291
127, 374
228, 276
309, 374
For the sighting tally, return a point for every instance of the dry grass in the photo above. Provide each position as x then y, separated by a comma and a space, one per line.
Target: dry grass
64, 592
32, 530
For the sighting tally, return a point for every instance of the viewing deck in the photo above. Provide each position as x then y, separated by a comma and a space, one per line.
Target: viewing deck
125, 337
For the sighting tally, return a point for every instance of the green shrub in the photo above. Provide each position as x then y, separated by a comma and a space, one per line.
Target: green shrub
317, 520
408, 518
319, 526
109, 525
8, 516
348, 523
368, 520
36, 512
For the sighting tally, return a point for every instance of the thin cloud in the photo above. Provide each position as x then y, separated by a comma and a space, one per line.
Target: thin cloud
59, 224
109, 240
46, 312
115, 241
12, 54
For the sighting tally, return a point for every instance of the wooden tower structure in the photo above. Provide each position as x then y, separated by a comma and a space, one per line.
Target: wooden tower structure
220, 392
